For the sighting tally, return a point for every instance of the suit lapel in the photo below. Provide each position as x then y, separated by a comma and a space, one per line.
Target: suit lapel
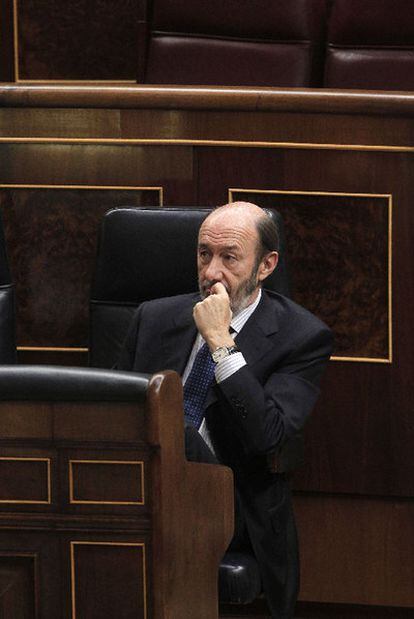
177, 337
254, 339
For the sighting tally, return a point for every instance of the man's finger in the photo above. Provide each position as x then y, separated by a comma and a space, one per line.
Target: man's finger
219, 288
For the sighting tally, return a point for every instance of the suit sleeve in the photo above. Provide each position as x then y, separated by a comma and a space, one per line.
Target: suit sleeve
264, 414
126, 359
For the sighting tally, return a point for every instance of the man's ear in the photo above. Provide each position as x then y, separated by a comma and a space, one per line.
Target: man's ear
267, 265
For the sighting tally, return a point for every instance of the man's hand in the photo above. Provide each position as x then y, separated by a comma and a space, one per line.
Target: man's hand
213, 316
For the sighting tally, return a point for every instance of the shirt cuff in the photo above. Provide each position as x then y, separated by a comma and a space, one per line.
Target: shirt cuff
229, 366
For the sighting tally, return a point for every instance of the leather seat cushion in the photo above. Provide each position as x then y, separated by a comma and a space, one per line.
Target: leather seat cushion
389, 69
172, 59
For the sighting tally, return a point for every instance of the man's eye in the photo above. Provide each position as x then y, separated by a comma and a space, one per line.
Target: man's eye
203, 255
230, 258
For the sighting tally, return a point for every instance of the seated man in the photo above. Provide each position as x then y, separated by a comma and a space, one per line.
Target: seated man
251, 361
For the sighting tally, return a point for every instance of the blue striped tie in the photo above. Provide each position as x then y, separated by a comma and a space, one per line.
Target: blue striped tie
196, 386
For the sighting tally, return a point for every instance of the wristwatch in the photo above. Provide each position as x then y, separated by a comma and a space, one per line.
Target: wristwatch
222, 352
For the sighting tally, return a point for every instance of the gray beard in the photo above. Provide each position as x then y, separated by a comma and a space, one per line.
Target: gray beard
240, 299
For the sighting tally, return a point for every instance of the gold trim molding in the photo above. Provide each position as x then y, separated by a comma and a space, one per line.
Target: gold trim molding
200, 142
74, 501
15, 41
48, 482
96, 543
388, 359
80, 82
51, 349
160, 189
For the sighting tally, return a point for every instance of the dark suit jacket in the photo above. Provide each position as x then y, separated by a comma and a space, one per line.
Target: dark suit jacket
253, 413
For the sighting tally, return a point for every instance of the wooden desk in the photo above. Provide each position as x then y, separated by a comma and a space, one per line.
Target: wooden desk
101, 516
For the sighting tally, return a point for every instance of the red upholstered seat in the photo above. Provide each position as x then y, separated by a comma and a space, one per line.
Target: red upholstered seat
371, 45
249, 43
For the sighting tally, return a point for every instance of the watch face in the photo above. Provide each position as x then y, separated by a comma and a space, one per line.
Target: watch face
220, 353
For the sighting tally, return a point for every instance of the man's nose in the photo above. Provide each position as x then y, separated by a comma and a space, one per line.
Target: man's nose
214, 270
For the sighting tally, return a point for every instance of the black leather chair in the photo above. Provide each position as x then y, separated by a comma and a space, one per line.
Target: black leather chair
150, 253
147, 253
7, 308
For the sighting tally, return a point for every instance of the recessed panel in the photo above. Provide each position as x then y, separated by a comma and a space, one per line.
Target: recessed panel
51, 234
108, 580
338, 251
78, 40
106, 482
25, 480
17, 586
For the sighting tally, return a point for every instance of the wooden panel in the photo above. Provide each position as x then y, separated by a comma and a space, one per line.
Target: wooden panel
338, 248
181, 125
106, 482
17, 420
123, 422
78, 40
309, 610
298, 170
119, 482
18, 586
33, 561
106, 560
100, 165
66, 421
373, 411
51, 234
356, 550
359, 437
48, 122
25, 480
108, 580
7, 65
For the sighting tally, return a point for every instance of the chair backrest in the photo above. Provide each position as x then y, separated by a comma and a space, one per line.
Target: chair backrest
147, 253
7, 307
233, 43
371, 45
93, 471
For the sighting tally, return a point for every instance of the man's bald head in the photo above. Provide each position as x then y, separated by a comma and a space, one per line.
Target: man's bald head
252, 215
